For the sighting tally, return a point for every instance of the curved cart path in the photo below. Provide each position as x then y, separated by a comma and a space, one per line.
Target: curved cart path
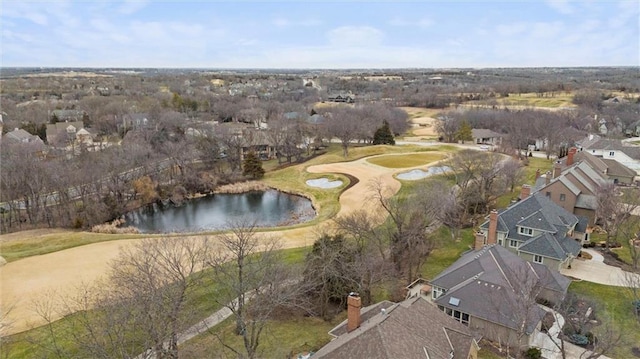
42, 277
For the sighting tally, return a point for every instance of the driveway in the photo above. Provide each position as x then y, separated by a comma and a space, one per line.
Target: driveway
594, 270
550, 345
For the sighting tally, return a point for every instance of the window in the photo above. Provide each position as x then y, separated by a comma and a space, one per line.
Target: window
612, 153
562, 197
513, 243
500, 242
525, 231
436, 292
537, 258
548, 194
465, 319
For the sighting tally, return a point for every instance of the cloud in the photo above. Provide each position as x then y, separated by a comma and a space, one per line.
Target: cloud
561, 6
132, 6
355, 36
402, 22
284, 22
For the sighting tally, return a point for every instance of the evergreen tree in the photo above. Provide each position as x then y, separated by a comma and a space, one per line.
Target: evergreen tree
383, 135
252, 166
464, 132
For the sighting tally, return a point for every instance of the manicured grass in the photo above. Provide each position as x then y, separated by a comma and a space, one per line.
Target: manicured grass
535, 163
280, 339
559, 99
41, 243
614, 304
447, 251
408, 160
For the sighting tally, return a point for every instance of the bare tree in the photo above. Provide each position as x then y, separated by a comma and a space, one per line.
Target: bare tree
141, 307
252, 280
408, 230
614, 210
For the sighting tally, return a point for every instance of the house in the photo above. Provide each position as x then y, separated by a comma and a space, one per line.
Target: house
574, 183
536, 229
259, 142
346, 98
494, 292
19, 135
68, 115
413, 328
31, 143
134, 121
485, 136
62, 133
627, 155
611, 169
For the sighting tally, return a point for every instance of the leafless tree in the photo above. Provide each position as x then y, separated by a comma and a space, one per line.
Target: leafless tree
408, 230
252, 280
614, 210
141, 307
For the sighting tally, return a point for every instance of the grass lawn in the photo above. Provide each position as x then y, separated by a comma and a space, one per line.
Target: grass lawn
281, 339
33, 243
535, 163
408, 160
615, 305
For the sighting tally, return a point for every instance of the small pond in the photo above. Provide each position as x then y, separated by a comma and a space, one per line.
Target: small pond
324, 183
420, 174
267, 208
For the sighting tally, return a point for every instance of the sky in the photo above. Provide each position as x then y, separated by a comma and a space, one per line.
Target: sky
327, 35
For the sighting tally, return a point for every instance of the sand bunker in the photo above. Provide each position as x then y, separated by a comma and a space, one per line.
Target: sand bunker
420, 174
324, 183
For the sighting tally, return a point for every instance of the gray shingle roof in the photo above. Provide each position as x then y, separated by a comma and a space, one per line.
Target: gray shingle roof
540, 213
485, 283
405, 330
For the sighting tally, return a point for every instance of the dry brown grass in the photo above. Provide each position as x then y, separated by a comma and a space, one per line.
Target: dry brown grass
114, 228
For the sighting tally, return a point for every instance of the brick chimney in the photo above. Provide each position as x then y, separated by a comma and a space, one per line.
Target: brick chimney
525, 191
479, 243
537, 174
572, 152
557, 169
492, 236
353, 311
547, 178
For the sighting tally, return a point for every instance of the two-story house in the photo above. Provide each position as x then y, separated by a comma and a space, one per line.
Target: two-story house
536, 229
612, 149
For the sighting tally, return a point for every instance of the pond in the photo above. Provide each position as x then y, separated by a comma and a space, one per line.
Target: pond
267, 208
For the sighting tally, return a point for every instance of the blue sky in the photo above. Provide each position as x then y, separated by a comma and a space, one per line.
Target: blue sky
330, 34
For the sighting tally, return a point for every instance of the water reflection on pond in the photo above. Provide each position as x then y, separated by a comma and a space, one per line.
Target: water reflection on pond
267, 208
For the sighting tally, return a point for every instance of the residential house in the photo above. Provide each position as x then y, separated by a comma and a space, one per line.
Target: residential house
31, 143
68, 115
134, 121
345, 98
536, 229
573, 185
611, 169
612, 149
485, 136
259, 142
63, 133
413, 328
19, 135
494, 292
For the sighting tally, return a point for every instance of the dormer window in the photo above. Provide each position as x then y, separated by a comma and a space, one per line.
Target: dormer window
525, 231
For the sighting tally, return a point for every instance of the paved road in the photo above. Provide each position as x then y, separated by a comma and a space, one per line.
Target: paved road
594, 270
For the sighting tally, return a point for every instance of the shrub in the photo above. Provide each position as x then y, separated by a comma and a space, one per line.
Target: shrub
533, 353
579, 339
